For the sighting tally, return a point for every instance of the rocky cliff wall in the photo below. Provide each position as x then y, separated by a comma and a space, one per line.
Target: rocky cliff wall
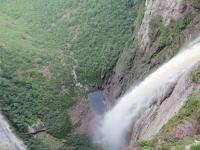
147, 49
165, 28
153, 119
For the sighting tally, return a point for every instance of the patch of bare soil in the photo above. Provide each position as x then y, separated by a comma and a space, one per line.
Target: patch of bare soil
81, 116
46, 72
187, 128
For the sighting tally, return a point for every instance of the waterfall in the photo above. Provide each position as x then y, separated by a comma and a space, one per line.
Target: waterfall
8, 140
117, 122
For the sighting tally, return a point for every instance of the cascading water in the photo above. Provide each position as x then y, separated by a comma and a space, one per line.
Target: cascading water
117, 123
8, 141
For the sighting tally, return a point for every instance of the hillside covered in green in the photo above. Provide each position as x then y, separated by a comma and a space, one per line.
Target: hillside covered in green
41, 41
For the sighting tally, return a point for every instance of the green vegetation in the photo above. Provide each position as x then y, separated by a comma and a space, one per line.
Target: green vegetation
145, 143
102, 36
195, 147
197, 75
129, 50
93, 32
23, 102
41, 41
35, 144
164, 36
80, 142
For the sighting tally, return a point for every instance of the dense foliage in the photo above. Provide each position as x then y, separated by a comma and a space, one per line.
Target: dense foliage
41, 41
80, 142
92, 31
24, 102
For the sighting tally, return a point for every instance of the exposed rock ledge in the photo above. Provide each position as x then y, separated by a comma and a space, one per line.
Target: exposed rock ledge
153, 119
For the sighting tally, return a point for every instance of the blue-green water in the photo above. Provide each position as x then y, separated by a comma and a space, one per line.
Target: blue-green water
96, 100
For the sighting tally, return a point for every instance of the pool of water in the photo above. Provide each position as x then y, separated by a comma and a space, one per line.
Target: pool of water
96, 100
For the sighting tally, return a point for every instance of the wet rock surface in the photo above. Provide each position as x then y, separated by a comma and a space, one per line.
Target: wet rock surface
153, 119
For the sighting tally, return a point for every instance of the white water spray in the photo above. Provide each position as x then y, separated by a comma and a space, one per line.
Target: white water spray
8, 140
118, 121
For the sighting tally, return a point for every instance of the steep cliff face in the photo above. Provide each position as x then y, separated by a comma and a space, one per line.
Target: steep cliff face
153, 119
153, 43
165, 28
173, 123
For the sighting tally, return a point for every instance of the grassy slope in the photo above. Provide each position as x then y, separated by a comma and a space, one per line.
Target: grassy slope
39, 42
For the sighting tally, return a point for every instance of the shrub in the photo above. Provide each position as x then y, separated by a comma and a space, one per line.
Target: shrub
80, 142
165, 35
156, 22
34, 144
195, 147
58, 124
196, 75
